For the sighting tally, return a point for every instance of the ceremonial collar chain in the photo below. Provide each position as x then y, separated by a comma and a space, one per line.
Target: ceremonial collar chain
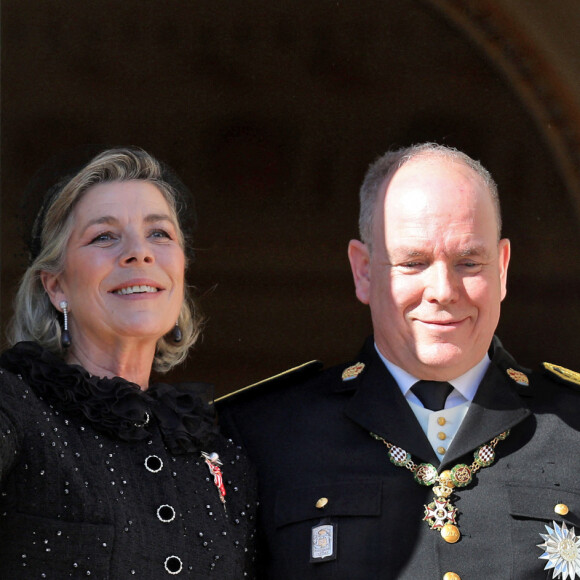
441, 514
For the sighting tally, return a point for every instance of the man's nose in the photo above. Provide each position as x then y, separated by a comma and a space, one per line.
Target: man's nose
442, 284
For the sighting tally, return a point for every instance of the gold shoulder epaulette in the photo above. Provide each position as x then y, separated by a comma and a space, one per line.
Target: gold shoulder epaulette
563, 373
306, 368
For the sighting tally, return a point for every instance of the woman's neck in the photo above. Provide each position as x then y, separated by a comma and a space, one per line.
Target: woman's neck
131, 361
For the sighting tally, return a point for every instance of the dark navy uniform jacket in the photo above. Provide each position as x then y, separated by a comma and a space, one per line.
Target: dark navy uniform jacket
309, 437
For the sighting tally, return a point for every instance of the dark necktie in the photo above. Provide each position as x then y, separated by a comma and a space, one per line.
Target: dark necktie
432, 393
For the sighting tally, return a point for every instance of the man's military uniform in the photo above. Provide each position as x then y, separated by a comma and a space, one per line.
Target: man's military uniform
338, 503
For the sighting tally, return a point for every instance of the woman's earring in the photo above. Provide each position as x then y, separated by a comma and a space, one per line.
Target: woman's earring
176, 335
65, 336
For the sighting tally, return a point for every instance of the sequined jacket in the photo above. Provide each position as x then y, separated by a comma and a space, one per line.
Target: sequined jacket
334, 505
101, 480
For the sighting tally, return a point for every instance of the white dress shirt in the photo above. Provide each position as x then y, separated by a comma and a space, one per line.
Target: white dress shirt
440, 426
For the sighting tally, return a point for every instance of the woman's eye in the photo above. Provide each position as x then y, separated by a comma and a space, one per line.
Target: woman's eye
160, 234
104, 237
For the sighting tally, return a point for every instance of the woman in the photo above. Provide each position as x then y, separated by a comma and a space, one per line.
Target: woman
103, 474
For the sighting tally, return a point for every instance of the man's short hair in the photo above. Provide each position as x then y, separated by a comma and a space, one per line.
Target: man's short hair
383, 169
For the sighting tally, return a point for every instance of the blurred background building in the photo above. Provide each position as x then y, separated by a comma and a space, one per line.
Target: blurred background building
271, 111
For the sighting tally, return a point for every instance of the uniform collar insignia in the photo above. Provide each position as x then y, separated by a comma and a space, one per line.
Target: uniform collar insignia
519, 377
353, 371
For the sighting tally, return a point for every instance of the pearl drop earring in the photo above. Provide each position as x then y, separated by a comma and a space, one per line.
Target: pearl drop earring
65, 336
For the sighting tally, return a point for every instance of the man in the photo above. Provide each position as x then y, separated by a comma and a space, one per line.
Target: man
432, 454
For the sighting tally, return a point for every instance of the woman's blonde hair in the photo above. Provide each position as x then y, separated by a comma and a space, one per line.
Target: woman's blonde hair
35, 318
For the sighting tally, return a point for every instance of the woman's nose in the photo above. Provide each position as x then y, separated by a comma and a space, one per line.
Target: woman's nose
137, 250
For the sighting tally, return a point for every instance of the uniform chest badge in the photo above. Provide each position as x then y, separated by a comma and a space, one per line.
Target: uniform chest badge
323, 542
562, 551
353, 371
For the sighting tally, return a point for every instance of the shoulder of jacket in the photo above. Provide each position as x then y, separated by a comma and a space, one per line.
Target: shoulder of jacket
531, 382
10, 379
289, 377
562, 375
13, 387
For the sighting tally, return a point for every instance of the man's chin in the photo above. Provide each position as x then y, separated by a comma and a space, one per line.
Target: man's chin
441, 356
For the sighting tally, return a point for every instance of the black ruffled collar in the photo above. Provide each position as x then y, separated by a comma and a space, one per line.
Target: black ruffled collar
115, 406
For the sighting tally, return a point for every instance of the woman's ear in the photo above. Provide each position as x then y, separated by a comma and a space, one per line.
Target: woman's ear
53, 287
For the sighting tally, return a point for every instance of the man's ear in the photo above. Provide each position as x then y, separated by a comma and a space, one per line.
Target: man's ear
360, 264
53, 287
504, 260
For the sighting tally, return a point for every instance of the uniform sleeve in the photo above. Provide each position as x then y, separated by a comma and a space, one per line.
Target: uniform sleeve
228, 426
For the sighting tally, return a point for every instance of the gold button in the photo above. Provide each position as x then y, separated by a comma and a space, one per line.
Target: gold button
321, 503
450, 533
451, 576
441, 421
441, 435
441, 450
561, 509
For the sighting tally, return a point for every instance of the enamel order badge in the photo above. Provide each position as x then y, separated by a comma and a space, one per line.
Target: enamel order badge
561, 549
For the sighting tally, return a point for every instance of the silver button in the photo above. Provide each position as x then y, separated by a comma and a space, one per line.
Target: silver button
173, 565
153, 463
165, 513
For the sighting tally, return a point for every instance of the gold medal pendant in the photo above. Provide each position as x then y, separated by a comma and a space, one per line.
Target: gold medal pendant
441, 514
